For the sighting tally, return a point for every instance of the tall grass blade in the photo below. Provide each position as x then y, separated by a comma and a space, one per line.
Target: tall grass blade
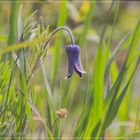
13, 24
87, 23
56, 55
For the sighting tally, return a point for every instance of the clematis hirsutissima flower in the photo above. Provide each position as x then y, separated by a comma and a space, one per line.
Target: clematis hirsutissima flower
73, 53
74, 60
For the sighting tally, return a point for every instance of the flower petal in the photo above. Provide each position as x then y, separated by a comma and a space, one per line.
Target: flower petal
77, 71
78, 65
70, 61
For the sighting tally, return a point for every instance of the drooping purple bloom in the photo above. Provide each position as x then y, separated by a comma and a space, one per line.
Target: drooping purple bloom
74, 61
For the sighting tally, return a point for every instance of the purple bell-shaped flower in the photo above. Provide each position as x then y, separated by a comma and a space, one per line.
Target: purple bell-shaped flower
74, 61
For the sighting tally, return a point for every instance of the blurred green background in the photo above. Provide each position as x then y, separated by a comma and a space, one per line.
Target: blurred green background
86, 19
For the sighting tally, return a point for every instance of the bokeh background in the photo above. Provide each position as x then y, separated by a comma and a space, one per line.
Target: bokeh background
71, 93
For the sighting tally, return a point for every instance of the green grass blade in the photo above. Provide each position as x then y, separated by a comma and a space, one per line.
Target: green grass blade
114, 106
98, 83
13, 24
125, 39
124, 110
114, 92
56, 56
87, 24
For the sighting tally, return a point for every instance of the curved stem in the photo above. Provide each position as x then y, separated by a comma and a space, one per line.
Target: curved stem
63, 28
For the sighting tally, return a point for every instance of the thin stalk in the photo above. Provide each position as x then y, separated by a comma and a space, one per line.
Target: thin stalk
66, 29
9, 86
54, 123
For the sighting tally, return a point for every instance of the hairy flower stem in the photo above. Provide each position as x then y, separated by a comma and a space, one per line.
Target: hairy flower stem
49, 39
63, 28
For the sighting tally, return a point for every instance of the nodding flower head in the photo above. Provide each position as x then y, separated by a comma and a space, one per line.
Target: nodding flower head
74, 61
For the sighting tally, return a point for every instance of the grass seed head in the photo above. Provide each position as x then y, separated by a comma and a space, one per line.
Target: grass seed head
61, 113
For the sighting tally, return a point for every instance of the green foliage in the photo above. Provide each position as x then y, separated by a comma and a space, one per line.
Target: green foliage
13, 24
29, 96
61, 22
